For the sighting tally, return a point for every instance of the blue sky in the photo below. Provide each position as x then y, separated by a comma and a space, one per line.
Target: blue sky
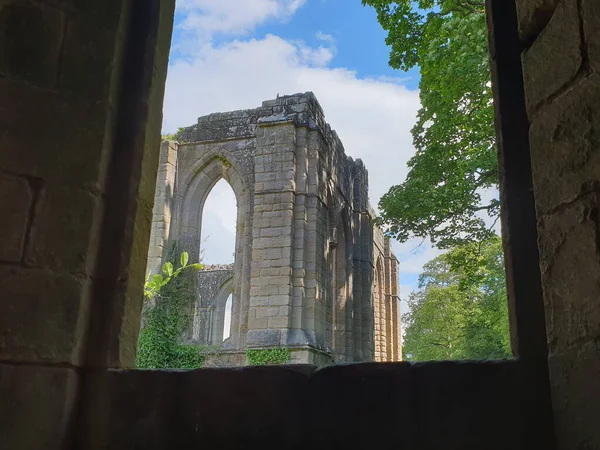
232, 54
360, 40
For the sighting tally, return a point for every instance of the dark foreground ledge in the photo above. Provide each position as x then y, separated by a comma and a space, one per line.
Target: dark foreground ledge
446, 405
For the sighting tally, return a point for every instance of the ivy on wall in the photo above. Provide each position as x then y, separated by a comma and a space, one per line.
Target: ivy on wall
268, 356
168, 312
166, 316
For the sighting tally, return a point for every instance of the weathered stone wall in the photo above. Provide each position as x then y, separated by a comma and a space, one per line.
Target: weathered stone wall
81, 89
81, 93
561, 64
386, 298
213, 285
304, 266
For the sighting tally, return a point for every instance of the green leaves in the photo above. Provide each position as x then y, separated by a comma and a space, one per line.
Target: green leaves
268, 356
157, 282
157, 279
184, 259
445, 196
167, 269
167, 317
460, 310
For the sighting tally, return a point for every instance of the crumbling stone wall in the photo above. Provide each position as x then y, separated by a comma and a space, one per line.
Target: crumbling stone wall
561, 65
213, 285
386, 300
81, 93
304, 268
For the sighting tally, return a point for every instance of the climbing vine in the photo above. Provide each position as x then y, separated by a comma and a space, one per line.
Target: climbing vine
166, 316
268, 356
157, 282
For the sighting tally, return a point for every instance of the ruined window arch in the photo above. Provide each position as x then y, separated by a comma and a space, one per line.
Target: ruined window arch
227, 317
218, 225
222, 307
196, 184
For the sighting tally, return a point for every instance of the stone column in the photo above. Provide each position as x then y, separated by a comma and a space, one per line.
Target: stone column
163, 206
306, 231
357, 288
383, 312
367, 304
271, 283
396, 313
317, 241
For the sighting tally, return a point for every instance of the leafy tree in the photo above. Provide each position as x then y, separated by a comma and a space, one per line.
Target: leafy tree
173, 136
460, 312
455, 158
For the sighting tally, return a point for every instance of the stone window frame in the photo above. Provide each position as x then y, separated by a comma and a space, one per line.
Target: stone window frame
518, 217
218, 322
196, 186
518, 214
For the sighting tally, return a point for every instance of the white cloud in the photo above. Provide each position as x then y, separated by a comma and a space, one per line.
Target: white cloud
205, 18
372, 116
218, 225
314, 56
325, 37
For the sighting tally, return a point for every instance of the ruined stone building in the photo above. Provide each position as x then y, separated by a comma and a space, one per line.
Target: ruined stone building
81, 95
312, 273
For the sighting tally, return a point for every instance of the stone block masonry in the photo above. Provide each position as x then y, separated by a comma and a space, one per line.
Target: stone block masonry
311, 273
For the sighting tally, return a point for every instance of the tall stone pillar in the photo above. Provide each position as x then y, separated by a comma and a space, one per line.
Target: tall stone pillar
163, 206
271, 283
396, 309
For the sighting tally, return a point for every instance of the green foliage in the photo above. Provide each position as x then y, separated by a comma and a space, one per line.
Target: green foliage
460, 310
157, 282
173, 136
263, 357
455, 158
158, 344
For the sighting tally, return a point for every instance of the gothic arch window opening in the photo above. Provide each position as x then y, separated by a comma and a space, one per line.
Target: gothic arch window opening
218, 225
227, 318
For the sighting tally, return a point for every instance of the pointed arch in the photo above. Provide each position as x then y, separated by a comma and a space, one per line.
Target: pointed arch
217, 227
194, 186
227, 320
225, 291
